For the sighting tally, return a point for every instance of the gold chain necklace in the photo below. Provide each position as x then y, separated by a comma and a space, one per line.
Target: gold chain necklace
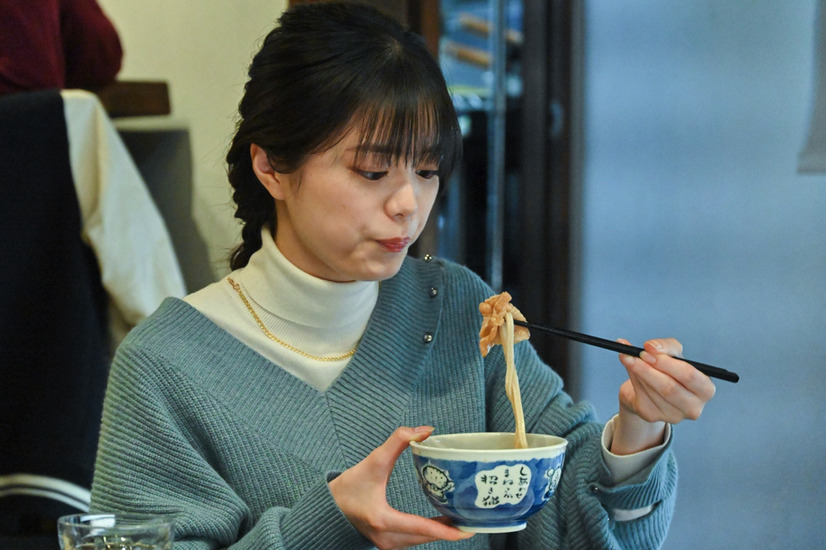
274, 338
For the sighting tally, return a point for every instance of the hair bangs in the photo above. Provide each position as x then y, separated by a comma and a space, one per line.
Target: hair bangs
412, 129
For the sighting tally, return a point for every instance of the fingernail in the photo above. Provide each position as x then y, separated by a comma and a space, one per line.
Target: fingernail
423, 429
648, 358
626, 359
657, 345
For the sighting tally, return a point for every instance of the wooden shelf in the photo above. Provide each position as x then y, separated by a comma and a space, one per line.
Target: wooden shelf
128, 98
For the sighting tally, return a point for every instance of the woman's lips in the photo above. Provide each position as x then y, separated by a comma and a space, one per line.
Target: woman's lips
395, 245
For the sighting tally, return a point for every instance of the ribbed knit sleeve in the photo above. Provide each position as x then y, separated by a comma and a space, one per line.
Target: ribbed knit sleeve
578, 515
169, 445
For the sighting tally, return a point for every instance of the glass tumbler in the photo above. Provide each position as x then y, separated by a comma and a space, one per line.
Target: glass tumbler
115, 532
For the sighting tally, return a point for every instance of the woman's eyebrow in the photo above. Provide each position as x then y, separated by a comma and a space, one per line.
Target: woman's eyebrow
424, 152
371, 148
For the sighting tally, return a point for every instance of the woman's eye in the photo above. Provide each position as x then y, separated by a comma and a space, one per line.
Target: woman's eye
372, 176
427, 174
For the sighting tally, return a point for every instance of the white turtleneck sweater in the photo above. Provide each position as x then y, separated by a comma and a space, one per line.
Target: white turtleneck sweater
321, 318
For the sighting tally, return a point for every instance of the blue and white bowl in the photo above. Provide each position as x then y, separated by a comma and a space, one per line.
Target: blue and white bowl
485, 485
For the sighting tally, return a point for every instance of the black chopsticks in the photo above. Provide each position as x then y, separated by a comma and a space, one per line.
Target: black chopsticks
709, 370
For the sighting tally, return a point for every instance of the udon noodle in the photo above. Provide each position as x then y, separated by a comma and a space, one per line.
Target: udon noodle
498, 328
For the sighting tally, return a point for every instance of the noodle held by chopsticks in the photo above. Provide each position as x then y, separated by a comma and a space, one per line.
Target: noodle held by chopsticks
498, 328
512, 384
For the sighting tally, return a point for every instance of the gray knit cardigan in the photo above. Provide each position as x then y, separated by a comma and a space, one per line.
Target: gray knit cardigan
198, 425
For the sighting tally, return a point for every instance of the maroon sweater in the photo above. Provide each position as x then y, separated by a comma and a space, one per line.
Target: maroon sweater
56, 44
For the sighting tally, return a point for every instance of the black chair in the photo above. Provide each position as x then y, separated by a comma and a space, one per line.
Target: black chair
53, 328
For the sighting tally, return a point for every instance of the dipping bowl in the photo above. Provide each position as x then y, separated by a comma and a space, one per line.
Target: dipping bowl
485, 485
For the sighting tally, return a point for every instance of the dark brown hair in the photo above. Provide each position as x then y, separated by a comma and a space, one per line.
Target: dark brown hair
327, 68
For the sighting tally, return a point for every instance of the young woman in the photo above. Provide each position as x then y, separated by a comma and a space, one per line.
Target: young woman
270, 409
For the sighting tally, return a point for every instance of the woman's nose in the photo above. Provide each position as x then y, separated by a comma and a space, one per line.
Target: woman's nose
404, 202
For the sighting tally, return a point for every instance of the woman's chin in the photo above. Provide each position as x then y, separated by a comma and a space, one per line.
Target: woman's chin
384, 269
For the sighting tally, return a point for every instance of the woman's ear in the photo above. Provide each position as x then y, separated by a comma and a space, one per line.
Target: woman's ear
274, 182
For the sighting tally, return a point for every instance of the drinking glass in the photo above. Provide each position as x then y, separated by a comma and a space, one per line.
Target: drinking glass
115, 532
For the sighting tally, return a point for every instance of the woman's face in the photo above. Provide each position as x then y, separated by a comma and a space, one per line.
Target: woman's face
345, 217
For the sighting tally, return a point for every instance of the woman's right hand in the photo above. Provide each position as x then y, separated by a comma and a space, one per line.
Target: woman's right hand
361, 494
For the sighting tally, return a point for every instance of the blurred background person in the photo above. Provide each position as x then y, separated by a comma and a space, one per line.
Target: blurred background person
56, 44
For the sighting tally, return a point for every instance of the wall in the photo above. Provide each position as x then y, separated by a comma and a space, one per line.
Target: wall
202, 49
697, 224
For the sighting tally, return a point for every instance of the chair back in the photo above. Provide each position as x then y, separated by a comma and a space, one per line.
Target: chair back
53, 326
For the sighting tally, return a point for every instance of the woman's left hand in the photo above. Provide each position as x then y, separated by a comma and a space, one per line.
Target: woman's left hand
660, 388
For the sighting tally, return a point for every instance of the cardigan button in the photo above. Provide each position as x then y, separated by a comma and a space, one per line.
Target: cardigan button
427, 257
434, 292
427, 338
